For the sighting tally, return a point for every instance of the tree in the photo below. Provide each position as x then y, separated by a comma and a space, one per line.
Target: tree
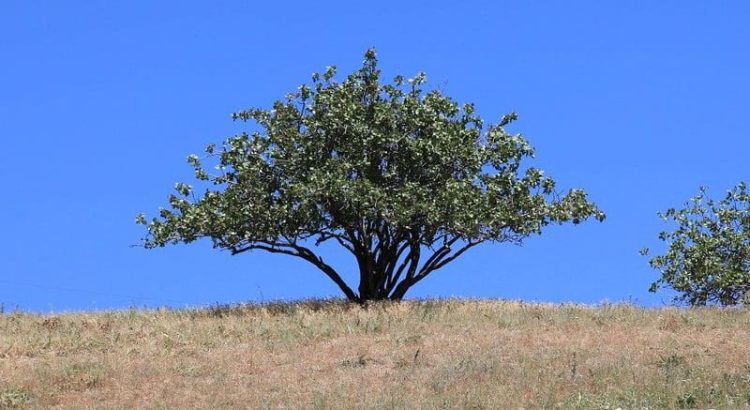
404, 179
708, 254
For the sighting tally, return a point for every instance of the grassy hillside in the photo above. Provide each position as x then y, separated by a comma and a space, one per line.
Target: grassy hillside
430, 354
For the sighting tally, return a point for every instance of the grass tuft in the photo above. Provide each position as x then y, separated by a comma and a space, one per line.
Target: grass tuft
14, 398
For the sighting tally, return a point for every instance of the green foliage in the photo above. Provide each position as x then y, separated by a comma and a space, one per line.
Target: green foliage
404, 179
708, 255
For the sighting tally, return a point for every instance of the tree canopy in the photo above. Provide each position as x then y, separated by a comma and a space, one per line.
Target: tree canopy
708, 254
403, 178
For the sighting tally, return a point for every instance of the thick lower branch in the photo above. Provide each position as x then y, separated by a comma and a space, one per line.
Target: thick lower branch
306, 254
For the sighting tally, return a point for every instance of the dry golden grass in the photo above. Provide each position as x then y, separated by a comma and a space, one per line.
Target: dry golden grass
429, 354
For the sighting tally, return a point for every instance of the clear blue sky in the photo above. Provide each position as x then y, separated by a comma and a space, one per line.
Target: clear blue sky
637, 102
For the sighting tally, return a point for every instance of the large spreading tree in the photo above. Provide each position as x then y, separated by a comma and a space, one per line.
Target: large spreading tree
404, 179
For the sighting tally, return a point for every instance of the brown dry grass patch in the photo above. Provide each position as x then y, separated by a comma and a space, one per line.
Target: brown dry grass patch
424, 354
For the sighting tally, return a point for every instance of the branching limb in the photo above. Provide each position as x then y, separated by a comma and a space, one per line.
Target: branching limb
439, 259
342, 240
304, 253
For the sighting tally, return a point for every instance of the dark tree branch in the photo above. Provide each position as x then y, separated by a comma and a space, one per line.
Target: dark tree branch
439, 259
449, 259
440, 253
342, 240
304, 253
412, 261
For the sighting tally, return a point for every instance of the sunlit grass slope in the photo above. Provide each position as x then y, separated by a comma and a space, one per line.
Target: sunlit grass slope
427, 354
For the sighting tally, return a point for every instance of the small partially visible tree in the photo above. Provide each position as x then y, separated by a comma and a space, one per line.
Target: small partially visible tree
404, 180
708, 255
